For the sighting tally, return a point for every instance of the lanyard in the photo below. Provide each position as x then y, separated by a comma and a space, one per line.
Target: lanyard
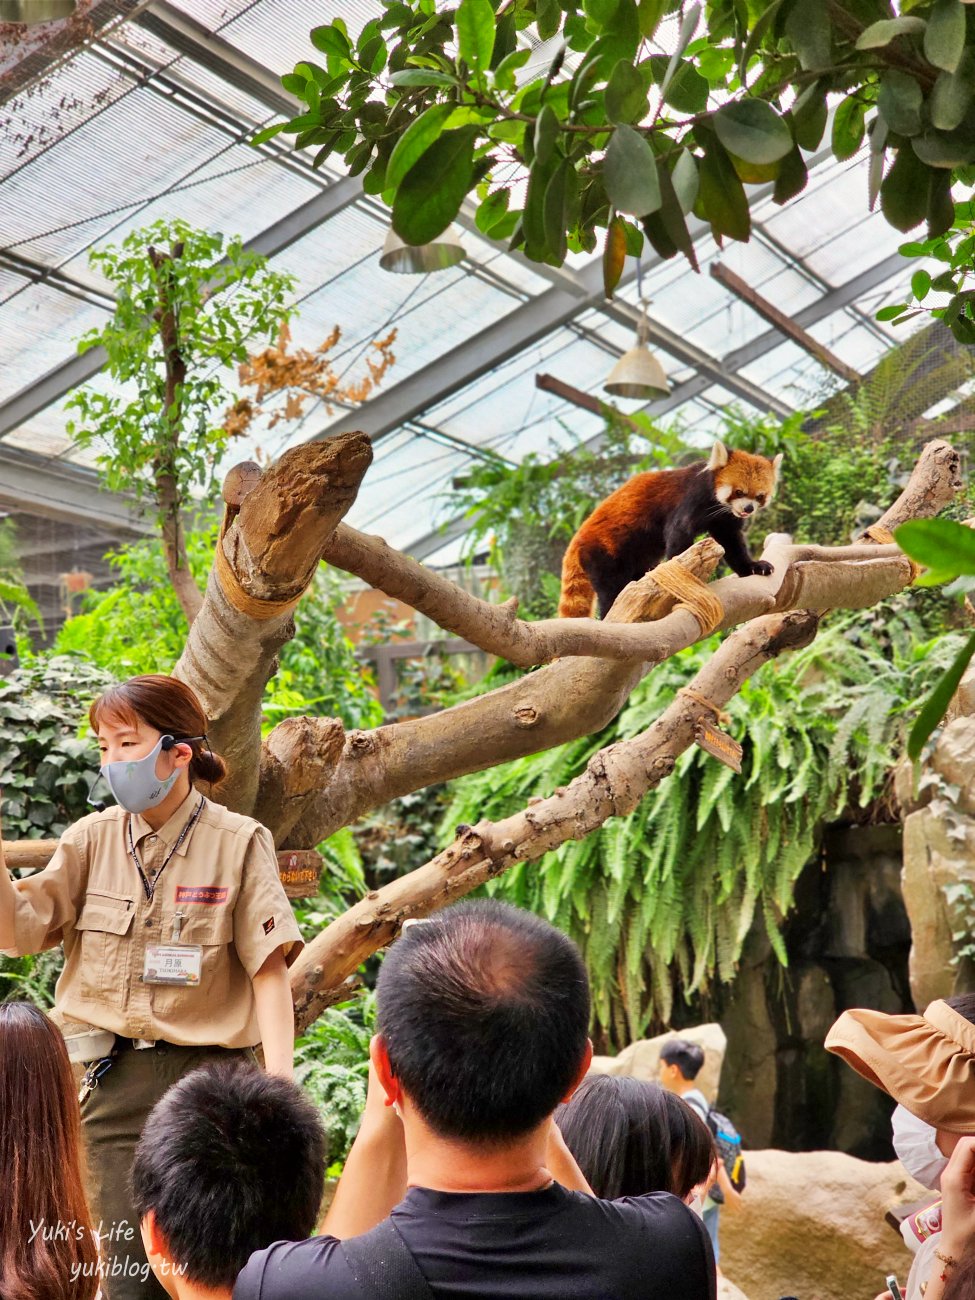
150, 887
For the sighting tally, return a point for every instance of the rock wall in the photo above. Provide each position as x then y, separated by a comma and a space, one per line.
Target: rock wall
848, 941
939, 863
812, 1225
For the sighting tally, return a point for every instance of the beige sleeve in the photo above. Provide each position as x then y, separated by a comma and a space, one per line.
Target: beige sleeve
263, 919
34, 911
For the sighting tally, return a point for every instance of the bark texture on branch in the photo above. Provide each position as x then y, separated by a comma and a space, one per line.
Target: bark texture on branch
614, 782
795, 582
577, 696
273, 546
560, 702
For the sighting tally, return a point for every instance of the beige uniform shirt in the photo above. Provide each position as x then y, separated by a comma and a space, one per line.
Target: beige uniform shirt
223, 879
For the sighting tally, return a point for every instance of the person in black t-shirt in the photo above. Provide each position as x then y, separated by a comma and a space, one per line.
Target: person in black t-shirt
483, 1016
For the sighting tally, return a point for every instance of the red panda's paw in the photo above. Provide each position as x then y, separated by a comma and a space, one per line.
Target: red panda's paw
761, 568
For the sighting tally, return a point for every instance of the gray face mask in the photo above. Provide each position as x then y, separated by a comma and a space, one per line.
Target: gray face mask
134, 783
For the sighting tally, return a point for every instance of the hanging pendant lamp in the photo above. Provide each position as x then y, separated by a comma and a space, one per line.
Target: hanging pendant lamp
638, 373
419, 259
30, 12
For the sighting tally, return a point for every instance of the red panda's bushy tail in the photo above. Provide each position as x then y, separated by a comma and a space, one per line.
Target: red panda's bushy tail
577, 593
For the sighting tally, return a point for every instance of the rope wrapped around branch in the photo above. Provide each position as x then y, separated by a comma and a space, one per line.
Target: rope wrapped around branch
691, 593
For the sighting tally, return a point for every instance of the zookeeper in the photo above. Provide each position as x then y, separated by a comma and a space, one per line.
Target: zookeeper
177, 935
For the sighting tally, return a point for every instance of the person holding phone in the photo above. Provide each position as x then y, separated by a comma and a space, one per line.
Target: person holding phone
177, 934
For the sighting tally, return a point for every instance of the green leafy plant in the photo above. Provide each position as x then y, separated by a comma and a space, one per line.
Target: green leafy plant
431, 105
947, 549
138, 626
16, 602
667, 895
955, 249
189, 304
46, 771
332, 1065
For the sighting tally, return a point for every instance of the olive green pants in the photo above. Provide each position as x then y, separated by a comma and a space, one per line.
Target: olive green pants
112, 1120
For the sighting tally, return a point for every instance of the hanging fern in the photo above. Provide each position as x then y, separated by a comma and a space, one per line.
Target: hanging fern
676, 884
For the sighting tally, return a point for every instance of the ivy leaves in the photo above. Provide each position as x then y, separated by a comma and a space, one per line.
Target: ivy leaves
435, 107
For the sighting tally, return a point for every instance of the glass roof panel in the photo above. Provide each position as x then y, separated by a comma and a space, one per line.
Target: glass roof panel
38, 326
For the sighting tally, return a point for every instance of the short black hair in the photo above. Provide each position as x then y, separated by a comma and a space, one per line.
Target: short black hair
230, 1159
484, 1010
687, 1056
630, 1137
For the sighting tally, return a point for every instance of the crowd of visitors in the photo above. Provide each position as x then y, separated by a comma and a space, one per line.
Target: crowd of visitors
146, 1153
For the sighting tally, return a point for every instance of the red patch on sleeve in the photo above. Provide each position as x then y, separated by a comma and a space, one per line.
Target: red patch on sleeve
269, 925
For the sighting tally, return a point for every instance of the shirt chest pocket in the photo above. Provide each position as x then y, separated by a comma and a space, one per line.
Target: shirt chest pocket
105, 927
214, 936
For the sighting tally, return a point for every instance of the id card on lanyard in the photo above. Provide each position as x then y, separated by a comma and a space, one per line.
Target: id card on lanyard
175, 963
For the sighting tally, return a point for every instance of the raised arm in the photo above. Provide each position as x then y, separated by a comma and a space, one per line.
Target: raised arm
374, 1178
34, 911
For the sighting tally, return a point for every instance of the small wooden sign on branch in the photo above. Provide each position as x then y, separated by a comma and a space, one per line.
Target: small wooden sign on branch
719, 745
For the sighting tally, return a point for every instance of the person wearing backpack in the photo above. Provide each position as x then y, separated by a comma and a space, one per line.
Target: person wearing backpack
680, 1064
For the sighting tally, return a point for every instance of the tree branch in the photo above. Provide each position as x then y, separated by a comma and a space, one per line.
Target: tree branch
614, 782
575, 697
271, 546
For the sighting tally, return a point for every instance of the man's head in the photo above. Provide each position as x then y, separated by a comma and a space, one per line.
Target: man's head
680, 1063
483, 1014
230, 1159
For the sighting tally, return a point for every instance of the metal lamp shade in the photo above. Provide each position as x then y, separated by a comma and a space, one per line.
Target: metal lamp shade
418, 259
638, 373
30, 12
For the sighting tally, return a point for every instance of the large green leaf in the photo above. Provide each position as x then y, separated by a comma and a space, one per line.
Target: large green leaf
422, 77
475, 33
937, 703
721, 196
614, 255
883, 32
952, 95
687, 90
687, 29
415, 140
848, 128
431, 192
900, 101
626, 94
904, 191
948, 149
808, 28
630, 173
751, 129
940, 544
944, 37
546, 134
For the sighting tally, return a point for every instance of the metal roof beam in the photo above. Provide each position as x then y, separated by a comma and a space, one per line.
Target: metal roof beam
60, 490
27, 403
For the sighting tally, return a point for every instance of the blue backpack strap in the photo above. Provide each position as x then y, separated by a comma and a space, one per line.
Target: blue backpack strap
383, 1265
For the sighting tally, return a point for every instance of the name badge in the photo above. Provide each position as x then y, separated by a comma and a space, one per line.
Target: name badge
176, 963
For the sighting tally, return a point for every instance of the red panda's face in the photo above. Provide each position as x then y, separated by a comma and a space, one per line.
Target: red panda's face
743, 482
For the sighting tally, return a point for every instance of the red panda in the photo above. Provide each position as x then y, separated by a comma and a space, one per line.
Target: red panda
657, 515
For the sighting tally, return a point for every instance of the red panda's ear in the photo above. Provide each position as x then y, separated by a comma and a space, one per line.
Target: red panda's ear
776, 466
719, 456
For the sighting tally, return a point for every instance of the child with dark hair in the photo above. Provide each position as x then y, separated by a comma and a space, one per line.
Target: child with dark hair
681, 1061
230, 1160
630, 1136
